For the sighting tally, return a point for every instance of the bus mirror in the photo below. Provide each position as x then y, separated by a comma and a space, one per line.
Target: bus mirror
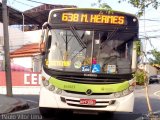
42, 47
42, 42
45, 25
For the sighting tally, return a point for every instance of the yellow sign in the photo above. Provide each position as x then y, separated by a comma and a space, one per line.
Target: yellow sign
93, 18
58, 63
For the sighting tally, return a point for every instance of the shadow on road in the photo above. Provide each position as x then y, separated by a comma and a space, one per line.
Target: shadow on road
115, 116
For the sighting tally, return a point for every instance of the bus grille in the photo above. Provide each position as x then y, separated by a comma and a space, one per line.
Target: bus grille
76, 102
83, 93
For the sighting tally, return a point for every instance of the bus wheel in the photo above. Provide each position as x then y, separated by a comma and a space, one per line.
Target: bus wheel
47, 112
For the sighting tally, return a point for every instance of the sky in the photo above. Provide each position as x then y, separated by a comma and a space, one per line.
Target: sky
149, 27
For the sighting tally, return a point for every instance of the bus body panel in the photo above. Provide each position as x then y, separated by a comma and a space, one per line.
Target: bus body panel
51, 100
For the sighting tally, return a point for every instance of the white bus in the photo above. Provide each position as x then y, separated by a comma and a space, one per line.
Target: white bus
89, 56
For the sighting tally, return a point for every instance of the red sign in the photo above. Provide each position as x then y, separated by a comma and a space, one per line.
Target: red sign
22, 79
87, 101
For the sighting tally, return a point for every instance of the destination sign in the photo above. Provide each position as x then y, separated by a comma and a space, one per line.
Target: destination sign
92, 18
58, 63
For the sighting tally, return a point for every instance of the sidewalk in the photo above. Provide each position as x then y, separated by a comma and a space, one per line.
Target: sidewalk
11, 104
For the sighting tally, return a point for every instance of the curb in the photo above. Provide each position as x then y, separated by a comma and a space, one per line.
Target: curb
19, 105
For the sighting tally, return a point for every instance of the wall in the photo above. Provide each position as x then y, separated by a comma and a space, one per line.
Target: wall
18, 38
23, 61
151, 70
37, 63
22, 82
32, 36
31, 63
15, 37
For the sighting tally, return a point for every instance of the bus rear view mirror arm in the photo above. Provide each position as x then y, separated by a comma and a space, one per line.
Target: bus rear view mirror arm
42, 41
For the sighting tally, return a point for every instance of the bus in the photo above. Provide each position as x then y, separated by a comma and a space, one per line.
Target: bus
88, 60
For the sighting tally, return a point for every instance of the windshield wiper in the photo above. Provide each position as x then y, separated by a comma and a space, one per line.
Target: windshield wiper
77, 36
109, 37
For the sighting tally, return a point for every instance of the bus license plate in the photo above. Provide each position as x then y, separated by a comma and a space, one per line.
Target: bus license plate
87, 101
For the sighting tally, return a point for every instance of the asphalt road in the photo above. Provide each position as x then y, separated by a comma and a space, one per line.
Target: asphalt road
140, 108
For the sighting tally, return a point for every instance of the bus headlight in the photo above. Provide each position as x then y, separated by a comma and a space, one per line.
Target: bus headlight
58, 91
51, 88
131, 88
45, 82
125, 92
117, 94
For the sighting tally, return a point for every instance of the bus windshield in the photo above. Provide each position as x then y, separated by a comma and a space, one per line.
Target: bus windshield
88, 51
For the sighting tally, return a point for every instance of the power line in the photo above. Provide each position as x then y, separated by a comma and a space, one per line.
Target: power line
151, 25
36, 2
145, 55
24, 3
29, 4
150, 20
144, 37
150, 42
152, 31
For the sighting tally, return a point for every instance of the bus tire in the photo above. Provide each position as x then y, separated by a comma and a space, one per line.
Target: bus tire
47, 112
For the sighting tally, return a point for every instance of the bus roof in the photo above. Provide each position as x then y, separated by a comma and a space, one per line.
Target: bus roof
91, 18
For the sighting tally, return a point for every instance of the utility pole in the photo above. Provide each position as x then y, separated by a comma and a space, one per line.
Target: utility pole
6, 49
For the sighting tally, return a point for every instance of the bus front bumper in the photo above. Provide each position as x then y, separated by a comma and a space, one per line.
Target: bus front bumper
52, 100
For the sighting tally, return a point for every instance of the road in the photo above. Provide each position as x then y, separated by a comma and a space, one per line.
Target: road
139, 109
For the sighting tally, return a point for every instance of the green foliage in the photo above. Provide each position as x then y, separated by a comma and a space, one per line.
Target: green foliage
100, 4
138, 47
105, 5
140, 76
142, 4
156, 57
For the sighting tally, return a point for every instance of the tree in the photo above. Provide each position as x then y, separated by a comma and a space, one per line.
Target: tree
140, 4
156, 57
101, 4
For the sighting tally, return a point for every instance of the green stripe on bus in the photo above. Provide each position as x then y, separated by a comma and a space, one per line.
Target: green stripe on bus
79, 87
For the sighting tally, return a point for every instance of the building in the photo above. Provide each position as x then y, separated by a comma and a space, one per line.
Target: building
150, 69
